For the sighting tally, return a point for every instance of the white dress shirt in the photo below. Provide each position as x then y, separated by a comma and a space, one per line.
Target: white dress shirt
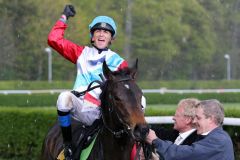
183, 136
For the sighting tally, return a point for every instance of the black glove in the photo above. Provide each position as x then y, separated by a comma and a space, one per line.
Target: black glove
69, 11
68, 154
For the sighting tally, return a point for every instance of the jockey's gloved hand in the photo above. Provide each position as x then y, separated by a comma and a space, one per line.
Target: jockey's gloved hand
69, 11
68, 154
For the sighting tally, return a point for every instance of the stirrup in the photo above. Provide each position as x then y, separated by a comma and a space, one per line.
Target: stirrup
61, 155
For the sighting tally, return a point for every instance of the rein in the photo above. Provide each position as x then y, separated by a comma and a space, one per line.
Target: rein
78, 94
119, 133
126, 129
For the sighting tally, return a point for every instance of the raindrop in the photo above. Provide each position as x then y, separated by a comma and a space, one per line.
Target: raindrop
184, 39
236, 134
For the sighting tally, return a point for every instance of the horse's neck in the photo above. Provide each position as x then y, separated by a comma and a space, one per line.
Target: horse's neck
120, 147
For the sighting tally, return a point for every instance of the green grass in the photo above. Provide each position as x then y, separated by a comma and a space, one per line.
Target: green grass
32, 85
175, 84
26, 127
231, 109
50, 109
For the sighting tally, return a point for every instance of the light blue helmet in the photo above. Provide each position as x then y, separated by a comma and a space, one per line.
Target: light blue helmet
103, 22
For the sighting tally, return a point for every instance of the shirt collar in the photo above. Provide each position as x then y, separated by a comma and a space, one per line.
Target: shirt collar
205, 133
184, 135
100, 50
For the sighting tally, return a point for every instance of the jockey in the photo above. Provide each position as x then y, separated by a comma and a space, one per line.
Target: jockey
88, 60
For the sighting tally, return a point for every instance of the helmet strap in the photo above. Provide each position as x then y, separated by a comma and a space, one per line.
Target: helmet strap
100, 50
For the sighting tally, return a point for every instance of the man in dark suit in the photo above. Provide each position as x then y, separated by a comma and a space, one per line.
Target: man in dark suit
217, 144
183, 132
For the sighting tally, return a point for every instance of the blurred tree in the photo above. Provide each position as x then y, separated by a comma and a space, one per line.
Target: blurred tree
225, 18
7, 45
172, 39
128, 30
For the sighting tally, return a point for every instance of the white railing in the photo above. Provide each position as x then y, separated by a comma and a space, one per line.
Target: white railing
168, 120
51, 91
160, 91
152, 119
181, 91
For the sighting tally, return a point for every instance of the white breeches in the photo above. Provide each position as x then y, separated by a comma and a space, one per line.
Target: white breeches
68, 102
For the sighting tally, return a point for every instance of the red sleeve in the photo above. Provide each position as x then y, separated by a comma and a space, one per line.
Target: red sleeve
66, 48
124, 64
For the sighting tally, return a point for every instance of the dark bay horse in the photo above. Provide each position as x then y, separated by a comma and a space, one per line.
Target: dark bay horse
123, 121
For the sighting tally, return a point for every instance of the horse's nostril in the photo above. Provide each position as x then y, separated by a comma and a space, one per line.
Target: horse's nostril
140, 132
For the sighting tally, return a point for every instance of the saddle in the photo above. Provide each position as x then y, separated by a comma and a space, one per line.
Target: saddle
82, 137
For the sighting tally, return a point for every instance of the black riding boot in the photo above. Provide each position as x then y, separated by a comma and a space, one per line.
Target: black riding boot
64, 120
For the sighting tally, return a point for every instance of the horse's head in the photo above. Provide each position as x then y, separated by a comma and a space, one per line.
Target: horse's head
121, 103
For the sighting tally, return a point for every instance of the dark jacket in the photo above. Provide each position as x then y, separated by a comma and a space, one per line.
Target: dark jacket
217, 145
172, 134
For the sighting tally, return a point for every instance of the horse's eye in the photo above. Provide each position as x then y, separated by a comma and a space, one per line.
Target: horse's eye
117, 98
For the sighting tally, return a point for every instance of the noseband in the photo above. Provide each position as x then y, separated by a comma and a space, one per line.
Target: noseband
126, 127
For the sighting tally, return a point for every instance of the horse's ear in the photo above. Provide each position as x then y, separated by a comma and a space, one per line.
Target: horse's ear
106, 71
134, 70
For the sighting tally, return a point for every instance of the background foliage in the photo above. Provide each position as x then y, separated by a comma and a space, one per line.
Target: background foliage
172, 39
22, 131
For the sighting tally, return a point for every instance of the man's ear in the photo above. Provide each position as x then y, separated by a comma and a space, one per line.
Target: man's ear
212, 118
92, 39
189, 120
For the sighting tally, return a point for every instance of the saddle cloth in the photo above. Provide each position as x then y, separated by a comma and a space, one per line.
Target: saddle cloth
83, 138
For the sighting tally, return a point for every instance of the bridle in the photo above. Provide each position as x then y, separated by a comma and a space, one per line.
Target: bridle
126, 127
111, 104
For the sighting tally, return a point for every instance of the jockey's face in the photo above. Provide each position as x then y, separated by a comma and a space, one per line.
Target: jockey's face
102, 38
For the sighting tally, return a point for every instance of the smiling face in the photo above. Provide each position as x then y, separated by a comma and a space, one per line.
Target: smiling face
102, 38
203, 123
181, 122
184, 115
209, 115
